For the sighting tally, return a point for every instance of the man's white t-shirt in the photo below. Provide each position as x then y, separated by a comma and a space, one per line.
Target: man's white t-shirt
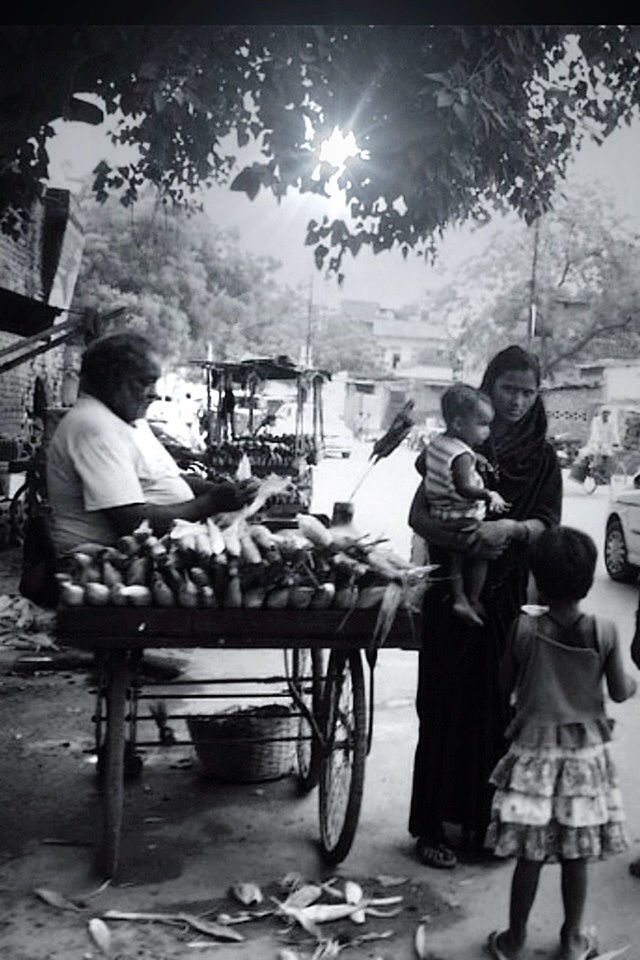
96, 461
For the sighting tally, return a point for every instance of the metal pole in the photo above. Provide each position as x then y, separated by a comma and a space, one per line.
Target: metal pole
533, 307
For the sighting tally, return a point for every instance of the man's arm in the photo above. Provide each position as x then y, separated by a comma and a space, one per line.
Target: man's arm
219, 498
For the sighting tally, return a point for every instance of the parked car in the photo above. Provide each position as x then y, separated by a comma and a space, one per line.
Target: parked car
338, 441
622, 533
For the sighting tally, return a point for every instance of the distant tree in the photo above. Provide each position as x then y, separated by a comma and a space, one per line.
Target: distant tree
450, 120
184, 282
586, 286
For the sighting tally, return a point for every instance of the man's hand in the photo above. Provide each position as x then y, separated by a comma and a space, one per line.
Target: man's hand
227, 497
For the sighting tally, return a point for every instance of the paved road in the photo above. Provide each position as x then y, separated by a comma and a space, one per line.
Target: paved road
381, 505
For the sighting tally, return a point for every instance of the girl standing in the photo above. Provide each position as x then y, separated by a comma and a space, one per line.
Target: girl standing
556, 797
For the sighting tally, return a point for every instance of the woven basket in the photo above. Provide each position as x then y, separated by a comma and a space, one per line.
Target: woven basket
223, 743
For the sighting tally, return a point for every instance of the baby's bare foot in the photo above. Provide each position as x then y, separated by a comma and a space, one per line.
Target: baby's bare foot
464, 610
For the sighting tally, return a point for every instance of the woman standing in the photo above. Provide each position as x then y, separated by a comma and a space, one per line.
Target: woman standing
461, 710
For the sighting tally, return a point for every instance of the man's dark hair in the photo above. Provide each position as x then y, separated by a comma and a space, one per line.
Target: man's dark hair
109, 361
563, 562
461, 400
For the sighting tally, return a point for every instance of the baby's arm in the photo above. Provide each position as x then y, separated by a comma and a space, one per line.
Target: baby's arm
619, 684
461, 472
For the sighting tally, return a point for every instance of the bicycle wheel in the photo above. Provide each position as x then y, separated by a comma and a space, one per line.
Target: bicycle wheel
307, 677
343, 761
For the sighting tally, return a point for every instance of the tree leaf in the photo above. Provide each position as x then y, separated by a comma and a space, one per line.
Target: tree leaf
55, 899
444, 98
248, 181
100, 934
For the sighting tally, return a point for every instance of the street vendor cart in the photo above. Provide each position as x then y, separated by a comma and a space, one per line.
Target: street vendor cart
324, 677
239, 425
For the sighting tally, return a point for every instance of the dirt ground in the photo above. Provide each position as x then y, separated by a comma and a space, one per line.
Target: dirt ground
185, 839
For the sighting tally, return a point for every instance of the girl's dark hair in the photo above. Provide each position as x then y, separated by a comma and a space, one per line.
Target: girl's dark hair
460, 400
563, 562
118, 357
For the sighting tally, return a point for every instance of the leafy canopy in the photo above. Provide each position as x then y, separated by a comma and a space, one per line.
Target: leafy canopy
451, 121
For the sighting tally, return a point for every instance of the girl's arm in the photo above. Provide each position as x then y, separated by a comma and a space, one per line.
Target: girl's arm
619, 684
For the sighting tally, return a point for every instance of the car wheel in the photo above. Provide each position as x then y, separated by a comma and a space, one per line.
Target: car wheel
615, 554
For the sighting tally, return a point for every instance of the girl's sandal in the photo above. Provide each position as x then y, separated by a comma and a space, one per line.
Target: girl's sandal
436, 855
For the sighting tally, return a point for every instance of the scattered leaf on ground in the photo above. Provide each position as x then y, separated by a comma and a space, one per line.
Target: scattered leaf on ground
55, 899
611, 954
386, 880
247, 893
291, 881
304, 896
100, 934
420, 942
353, 892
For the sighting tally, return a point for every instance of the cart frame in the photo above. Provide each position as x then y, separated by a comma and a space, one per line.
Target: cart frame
335, 711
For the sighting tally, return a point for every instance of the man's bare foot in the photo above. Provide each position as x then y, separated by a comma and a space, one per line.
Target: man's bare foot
464, 610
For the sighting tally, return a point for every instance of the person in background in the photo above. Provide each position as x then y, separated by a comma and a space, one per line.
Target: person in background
557, 796
106, 471
462, 711
604, 440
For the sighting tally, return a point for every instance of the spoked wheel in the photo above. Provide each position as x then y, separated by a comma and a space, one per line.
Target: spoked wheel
307, 678
342, 769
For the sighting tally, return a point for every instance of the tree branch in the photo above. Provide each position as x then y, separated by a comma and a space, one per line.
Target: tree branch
587, 338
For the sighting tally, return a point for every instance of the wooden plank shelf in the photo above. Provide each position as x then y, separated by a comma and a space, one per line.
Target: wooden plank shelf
138, 627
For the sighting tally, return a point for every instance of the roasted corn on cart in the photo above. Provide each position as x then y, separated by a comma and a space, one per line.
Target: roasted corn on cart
324, 678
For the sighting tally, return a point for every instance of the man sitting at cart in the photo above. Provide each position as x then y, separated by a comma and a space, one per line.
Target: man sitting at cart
106, 471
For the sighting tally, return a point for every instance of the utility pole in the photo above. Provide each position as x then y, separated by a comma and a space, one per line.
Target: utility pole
308, 347
533, 305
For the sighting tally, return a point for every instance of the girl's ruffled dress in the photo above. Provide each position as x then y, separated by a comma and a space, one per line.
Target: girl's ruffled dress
557, 795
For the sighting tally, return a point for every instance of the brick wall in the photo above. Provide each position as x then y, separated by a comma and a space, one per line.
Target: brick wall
16, 386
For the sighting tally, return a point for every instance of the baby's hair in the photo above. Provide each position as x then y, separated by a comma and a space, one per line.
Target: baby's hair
563, 562
461, 400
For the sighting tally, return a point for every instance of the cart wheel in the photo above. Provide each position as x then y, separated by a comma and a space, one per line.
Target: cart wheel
307, 677
342, 769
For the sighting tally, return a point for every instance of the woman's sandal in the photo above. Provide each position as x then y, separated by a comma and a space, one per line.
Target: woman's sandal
436, 855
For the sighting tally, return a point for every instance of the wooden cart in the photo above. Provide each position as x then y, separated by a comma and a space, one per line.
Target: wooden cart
324, 677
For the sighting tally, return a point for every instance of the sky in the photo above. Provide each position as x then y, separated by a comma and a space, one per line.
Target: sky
271, 229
